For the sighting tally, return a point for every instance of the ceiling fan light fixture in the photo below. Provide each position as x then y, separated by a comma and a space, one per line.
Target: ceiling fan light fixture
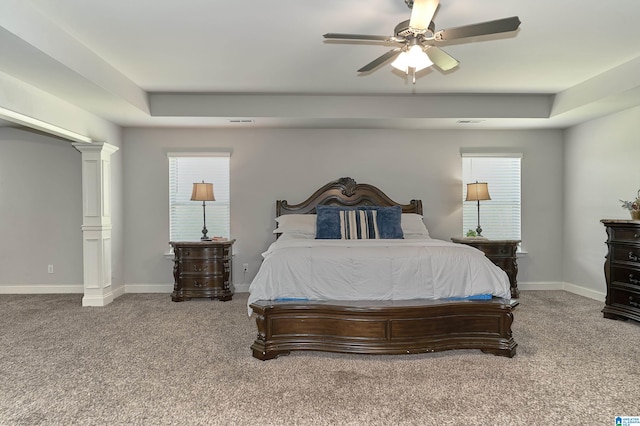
418, 59
402, 62
414, 58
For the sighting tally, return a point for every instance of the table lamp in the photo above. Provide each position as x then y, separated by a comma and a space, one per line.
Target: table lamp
203, 192
478, 191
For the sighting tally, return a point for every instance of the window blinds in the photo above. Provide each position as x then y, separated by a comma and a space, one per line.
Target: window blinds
500, 217
186, 216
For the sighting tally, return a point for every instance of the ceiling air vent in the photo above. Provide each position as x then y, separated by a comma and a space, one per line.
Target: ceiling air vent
241, 120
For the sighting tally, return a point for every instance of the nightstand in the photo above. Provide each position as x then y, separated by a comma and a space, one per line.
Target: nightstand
502, 253
202, 269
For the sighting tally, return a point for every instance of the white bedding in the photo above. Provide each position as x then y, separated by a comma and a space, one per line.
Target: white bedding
375, 270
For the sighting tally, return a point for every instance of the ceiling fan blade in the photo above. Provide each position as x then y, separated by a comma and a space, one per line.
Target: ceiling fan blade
357, 37
422, 13
484, 28
380, 60
441, 59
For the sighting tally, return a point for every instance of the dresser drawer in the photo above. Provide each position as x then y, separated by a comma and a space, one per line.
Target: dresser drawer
624, 297
626, 276
623, 234
625, 253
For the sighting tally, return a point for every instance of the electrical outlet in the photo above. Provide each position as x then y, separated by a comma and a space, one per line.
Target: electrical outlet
245, 267
49, 269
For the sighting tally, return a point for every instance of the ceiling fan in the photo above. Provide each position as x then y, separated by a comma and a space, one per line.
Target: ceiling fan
419, 40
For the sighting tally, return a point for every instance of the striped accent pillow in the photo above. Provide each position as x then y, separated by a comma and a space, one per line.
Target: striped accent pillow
359, 225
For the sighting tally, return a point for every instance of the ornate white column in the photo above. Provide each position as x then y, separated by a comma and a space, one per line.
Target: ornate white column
96, 222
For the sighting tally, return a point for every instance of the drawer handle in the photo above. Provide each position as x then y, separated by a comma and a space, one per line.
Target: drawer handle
199, 268
633, 257
633, 302
633, 280
636, 235
198, 284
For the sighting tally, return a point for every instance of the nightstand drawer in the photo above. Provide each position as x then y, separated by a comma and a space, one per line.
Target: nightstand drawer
493, 250
189, 283
202, 252
201, 267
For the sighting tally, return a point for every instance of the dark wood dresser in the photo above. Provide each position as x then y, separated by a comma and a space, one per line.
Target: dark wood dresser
622, 269
502, 253
202, 269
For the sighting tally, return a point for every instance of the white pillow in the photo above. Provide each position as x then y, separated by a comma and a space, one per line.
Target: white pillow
413, 226
287, 236
296, 223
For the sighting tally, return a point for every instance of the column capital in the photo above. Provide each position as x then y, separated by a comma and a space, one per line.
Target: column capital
101, 147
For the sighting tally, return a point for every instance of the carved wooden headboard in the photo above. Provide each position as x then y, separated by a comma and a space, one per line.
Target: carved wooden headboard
345, 192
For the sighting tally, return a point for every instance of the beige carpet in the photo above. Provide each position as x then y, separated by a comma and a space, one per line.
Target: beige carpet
145, 360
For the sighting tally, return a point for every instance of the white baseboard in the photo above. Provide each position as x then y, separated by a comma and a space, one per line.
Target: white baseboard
42, 289
586, 292
547, 285
241, 288
244, 288
568, 287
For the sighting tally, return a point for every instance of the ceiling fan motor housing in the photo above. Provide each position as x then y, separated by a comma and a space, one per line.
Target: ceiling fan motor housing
404, 30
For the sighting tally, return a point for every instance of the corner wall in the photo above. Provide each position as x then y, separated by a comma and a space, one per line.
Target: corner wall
601, 167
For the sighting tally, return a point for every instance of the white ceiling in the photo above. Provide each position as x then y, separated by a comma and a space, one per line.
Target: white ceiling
184, 62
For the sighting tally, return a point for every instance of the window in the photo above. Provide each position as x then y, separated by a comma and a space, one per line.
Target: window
500, 216
186, 216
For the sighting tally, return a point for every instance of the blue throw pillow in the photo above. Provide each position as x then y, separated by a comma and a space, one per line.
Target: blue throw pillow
328, 222
389, 222
328, 226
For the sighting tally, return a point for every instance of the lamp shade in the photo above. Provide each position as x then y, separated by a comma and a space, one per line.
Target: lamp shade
477, 191
202, 192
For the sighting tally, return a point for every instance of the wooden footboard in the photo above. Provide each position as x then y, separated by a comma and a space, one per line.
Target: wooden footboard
384, 327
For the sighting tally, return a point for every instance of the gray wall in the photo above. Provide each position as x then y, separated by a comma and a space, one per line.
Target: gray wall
601, 167
271, 164
40, 210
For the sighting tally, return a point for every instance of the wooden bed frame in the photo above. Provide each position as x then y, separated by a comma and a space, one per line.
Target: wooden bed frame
378, 327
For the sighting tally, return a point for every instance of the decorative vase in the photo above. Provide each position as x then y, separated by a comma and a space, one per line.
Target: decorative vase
635, 214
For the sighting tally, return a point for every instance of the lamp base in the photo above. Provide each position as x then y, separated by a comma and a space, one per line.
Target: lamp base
204, 234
